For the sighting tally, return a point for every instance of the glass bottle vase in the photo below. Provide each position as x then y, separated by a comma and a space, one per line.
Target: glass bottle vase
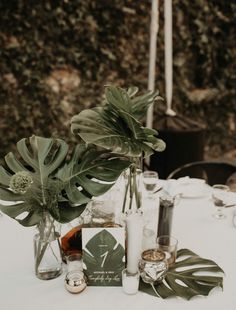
47, 250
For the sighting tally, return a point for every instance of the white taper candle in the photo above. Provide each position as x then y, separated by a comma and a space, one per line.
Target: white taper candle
134, 224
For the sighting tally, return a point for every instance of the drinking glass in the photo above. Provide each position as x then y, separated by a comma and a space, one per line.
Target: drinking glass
168, 245
74, 262
150, 179
219, 196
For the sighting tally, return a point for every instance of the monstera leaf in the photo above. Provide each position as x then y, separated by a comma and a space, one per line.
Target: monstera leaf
138, 104
43, 180
84, 174
115, 126
187, 278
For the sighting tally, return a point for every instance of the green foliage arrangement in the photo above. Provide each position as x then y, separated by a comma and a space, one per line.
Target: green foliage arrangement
45, 180
116, 126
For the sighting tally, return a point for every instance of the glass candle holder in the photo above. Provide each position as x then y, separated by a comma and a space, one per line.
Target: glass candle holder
153, 266
130, 282
75, 281
102, 212
150, 179
74, 262
168, 245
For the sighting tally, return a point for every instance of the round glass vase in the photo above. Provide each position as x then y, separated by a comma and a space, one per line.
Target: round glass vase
47, 250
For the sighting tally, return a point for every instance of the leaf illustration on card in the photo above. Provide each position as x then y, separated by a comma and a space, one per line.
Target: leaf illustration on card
102, 252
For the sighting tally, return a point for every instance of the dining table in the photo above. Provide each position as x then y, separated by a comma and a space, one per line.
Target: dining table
194, 227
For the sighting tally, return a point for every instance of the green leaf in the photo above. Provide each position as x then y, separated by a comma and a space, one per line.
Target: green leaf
115, 126
140, 104
187, 282
90, 172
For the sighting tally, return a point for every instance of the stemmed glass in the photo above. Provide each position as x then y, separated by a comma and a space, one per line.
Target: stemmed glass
219, 196
150, 179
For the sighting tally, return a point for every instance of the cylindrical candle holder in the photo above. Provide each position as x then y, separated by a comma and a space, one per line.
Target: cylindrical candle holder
168, 245
74, 262
130, 282
165, 215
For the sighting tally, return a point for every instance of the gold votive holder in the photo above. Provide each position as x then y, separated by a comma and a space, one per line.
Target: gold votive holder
153, 266
75, 281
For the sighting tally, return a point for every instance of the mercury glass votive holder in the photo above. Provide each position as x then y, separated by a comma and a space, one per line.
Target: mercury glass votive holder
153, 266
75, 282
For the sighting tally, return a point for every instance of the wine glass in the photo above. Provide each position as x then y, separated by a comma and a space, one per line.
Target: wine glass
150, 179
219, 196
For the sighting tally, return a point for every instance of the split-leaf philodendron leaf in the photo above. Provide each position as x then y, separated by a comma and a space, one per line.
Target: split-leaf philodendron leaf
188, 277
116, 126
42, 178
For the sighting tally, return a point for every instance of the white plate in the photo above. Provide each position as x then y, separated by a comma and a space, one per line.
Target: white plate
188, 188
193, 190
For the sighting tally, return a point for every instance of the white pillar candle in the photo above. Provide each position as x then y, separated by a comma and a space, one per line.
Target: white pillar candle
134, 224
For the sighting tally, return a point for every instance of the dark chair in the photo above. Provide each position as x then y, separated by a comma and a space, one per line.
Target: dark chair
214, 172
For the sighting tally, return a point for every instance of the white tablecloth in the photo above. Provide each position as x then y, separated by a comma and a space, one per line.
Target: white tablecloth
195, 229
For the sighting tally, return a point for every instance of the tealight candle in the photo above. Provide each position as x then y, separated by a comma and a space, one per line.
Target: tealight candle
153, 255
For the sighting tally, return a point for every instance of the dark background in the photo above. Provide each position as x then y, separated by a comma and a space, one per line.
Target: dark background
56, 57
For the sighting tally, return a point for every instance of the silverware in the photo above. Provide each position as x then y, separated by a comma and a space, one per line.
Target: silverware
158, 190
229, 206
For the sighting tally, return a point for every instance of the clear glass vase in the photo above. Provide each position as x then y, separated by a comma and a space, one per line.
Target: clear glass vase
47, 250
132, 199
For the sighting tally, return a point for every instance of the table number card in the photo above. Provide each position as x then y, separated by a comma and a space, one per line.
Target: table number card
103, 255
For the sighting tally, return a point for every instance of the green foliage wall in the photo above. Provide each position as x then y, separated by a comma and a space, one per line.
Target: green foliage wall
56, 56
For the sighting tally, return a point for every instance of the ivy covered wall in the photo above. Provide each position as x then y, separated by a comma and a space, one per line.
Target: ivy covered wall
56, 56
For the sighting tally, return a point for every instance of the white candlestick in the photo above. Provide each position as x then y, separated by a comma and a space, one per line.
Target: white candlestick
168, 55
134, 223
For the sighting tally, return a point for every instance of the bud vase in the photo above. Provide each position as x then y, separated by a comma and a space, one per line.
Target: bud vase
132, 198
47, 250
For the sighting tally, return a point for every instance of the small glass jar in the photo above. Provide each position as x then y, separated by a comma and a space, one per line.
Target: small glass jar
102, 212
153, 266
130, 282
